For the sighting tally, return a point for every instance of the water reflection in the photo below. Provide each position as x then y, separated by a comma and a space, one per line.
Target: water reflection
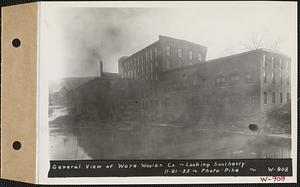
71, 138
63, 141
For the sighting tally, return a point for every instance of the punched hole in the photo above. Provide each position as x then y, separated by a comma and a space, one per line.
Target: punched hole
17, 145
16, 42
253, 127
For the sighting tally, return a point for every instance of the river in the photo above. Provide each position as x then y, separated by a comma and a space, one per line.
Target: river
70, 139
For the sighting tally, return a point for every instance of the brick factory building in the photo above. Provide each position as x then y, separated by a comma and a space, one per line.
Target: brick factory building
170, 81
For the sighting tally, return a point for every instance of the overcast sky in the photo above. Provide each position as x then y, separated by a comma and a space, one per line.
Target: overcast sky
75, 39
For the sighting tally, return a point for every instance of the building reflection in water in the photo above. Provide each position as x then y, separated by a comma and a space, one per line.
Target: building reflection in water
158, 141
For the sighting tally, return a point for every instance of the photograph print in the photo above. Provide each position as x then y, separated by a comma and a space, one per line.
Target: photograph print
166, 83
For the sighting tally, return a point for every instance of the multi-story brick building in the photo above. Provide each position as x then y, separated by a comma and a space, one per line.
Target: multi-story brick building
163, 55
232, 90
173, 83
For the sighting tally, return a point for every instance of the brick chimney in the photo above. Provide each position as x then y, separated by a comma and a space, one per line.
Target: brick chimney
100, 68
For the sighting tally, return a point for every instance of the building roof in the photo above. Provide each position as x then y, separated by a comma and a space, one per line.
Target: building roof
68, 83
171, 38
248, 52
159, 38
223, 59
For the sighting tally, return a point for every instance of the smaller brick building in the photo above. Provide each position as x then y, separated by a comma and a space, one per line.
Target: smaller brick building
108, 97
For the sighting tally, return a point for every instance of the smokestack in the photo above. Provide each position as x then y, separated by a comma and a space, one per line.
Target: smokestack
100, 68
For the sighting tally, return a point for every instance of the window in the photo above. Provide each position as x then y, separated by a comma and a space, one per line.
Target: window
288, 79
220, 81
281, 79
156, 63
249, 77
250, 99
155, 52
150, 54
281, 98
168, 65
280, 64
142, 61
146, 56
195, 82
273, 62
205, 83
273, 97
218, 100
265, 77
265, 98
287, 96
231, 99
190, 55
179, 53
168, 51
273, 78
264, 61
156, 77
200, 57
207, 99
235, 77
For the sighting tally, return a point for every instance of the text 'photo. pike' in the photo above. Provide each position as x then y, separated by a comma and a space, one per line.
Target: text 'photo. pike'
158, 83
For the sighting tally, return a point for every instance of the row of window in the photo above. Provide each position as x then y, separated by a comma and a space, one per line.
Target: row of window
273, 97
149, 103
231, 99
204, 83
180, 53
274, 62
141, 70
273, 78
140, 59
146, 76
219, 81
233, 78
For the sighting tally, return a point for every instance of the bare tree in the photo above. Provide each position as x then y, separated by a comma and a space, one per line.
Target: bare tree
275, 44
262, 40
257, 40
